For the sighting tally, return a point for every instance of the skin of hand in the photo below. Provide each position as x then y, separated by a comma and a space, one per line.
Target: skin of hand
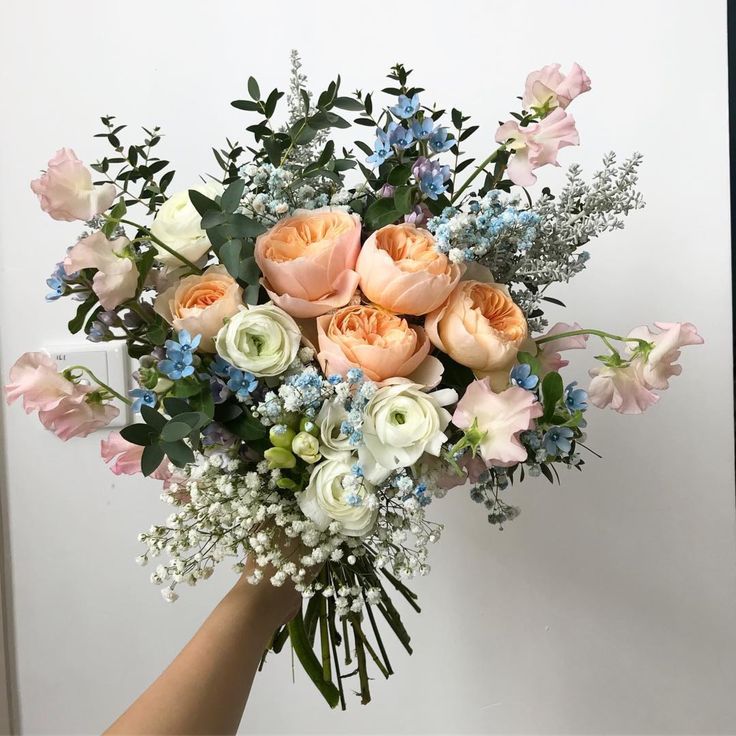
205, 689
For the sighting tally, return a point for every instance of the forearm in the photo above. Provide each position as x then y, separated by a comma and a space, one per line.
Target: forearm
205, 688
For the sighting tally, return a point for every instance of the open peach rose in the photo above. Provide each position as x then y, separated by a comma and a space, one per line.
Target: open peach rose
308, 259
480, 327
401, 270
201, 304
381, 344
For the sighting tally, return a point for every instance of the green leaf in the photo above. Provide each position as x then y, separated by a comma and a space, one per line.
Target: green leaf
552, 390
75, 324
201, 203
178, 452
194, 419
399, 174
326, 154
232, 195
213, 218
186, 387
245, 227
152, 417
249, 271
273, 149
157, 333
403, 199
253, 89
246, 105
139, 434
175, 406
175, 430
229, 255
348, 103
151, 459
145, 262
251, 293
273, 98
247, 427
531, 360
381, 212
204, 403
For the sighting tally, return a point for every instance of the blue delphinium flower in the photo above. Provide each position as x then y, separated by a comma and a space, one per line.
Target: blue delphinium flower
405, 107
576, 399
381, 149
422, 129
439, 141
177, 364
241, 383
522, 376
399, 136
558, 440
142, 396
184, 343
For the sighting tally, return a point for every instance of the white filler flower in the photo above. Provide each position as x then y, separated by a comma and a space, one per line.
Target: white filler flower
177, 224
334, 493
262, 339
401, 423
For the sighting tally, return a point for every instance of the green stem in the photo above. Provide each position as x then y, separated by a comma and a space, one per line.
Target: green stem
163, 245
469, 180
598, 333
111, 391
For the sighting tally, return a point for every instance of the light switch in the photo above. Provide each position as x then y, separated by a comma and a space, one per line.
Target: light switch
108, 361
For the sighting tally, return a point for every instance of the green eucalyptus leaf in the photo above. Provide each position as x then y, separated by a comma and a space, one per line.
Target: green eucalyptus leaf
229, 255
175, 430
152, 417
201, 203
243, 226
251, 293
232, 195
552, 391
349, 103
151, 459
403, 199
139, 434
253, 89
178, 452
245, 105
175, 406
249, 271
213, 218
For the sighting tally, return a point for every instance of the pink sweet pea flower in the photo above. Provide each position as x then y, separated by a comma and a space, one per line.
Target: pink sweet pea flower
660, 364
622, 388
67, 409
78, 415
502, 416
35, 378
549, 86
116, 279
66, 190
537, 144
127, 457
549, 352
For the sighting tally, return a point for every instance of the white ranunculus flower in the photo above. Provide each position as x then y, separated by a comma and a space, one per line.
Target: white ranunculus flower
329, 420
262, 340
177, 223
335, 494
401, 423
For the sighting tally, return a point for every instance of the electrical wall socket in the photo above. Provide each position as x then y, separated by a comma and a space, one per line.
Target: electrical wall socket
108, 361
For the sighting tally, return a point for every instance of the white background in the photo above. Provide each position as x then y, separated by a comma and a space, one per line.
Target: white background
610, 604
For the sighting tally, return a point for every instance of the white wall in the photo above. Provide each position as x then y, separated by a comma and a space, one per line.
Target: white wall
609, 605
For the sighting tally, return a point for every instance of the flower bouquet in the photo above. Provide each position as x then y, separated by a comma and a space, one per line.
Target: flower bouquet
328, 337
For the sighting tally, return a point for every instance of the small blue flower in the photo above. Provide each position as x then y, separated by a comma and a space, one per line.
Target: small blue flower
558, 440
355, 375
399, 136
439, 142
334, 379
184, 343
176, 365
242, 383
98, 332
432, 184
57, 282
357, 470
521, 375
422, 129
576, 399
381, 149
142, 396
220, 367
405, 107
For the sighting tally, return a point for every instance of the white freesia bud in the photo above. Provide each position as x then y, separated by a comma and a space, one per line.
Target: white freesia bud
326, 499
177, 224
262, 339
402, 422
306, 446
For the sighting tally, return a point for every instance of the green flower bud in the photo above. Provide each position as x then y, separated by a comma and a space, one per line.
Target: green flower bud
279, 457
148, 377
281, 435
308, 425
306, 446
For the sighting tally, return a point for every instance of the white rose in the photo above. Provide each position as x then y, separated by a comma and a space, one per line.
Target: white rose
261, 339
177, 224
335, 494
306, 446
329, 420
401, 423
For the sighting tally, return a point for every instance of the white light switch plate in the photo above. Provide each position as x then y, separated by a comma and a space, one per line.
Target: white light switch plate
108, 361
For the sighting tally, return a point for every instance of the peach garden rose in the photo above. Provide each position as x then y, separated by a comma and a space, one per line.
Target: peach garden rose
480, 327
201, 304
381, 344
308, 261
402, 271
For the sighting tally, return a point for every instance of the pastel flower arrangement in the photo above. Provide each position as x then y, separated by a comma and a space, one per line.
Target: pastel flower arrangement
326, 341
